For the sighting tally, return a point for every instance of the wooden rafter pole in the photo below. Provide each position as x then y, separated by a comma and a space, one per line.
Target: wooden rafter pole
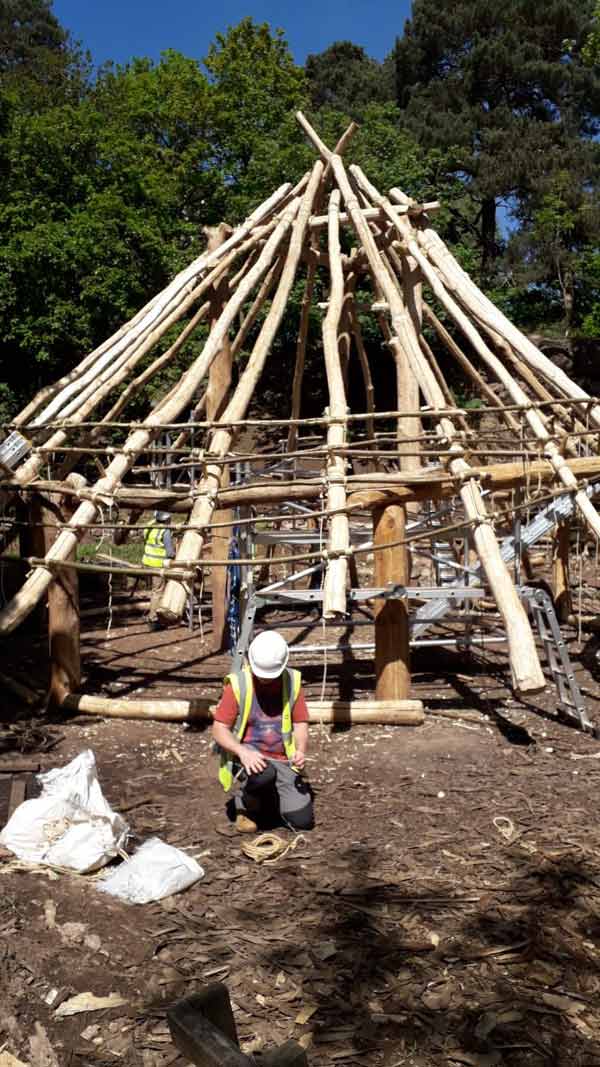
399, 712
219, 381
334, 590
31, 466
514, 390
166, 357
305, 310
471, 371
524, 661
407, 386
301, 343
439, 377
487, 314
295, 216
146, 320
168, 410
255, 308
365, 369
565, 416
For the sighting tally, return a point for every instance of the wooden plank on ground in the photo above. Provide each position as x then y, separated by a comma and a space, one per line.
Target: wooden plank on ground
18, 788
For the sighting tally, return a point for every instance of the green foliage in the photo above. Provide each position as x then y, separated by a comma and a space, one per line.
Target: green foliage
504, 87
39, 64
346, 79
591, 50
589, 267
559, 222
103, 201
255, 85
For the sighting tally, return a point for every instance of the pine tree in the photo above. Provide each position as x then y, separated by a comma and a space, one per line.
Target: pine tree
505, 87
345, 78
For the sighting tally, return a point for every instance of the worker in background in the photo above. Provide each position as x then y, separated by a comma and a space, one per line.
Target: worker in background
261, 729
158, 546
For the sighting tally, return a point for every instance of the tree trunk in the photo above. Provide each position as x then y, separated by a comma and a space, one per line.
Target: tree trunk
489, 247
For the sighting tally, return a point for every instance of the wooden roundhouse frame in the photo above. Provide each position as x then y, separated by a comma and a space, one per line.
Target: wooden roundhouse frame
416, 291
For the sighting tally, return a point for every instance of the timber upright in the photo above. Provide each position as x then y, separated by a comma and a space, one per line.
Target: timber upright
261, 729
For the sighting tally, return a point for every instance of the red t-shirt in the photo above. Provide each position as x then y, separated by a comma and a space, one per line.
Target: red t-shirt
263, 731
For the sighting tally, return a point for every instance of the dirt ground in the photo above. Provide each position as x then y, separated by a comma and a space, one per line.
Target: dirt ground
445, 910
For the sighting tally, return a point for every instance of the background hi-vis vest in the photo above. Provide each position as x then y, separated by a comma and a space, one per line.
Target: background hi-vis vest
155, 552
243, 690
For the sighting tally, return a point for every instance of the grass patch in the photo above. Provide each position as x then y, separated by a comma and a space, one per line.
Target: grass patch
129, 553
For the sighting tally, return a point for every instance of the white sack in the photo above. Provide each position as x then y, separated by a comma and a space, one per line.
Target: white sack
156, 870
70, 824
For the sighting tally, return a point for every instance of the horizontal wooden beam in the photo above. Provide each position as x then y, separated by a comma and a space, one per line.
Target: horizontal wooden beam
373, 489
318, 221
404, 712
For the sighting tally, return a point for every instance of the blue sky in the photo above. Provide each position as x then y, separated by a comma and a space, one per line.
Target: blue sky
120, 29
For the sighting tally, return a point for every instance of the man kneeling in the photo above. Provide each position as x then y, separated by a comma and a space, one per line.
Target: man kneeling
261, 727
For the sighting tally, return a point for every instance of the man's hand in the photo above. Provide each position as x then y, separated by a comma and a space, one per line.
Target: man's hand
251, 760
298, 759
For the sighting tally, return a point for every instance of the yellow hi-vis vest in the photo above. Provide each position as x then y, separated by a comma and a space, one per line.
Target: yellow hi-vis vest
155, 552
243, 690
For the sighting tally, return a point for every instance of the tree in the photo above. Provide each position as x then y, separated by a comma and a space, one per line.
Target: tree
26, 28
345, 78
103, 201
554, 247
255, 87
504, 87
39, 63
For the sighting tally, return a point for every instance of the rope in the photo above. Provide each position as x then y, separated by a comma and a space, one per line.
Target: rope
63, 424
580, 598
110, 590
108, 571
269, 848
323, 575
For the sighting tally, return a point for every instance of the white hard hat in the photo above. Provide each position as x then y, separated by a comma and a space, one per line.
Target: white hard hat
162, 516
268, 654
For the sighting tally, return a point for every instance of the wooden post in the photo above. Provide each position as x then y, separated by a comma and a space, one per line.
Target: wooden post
32, 542
560, 572
63, 621
219, 381
406, 382
392, 649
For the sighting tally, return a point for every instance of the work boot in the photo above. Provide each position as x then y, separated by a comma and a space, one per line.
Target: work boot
244, 824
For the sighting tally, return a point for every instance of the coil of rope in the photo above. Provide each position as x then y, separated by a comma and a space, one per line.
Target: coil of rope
269, 848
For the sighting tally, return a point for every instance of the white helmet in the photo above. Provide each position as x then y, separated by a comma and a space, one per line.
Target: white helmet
162, 516
268, 654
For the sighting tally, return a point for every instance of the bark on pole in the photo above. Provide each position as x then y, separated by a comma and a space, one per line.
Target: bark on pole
392, 647
219, 381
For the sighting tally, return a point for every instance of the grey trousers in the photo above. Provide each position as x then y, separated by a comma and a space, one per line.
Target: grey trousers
289, 796
159, 583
